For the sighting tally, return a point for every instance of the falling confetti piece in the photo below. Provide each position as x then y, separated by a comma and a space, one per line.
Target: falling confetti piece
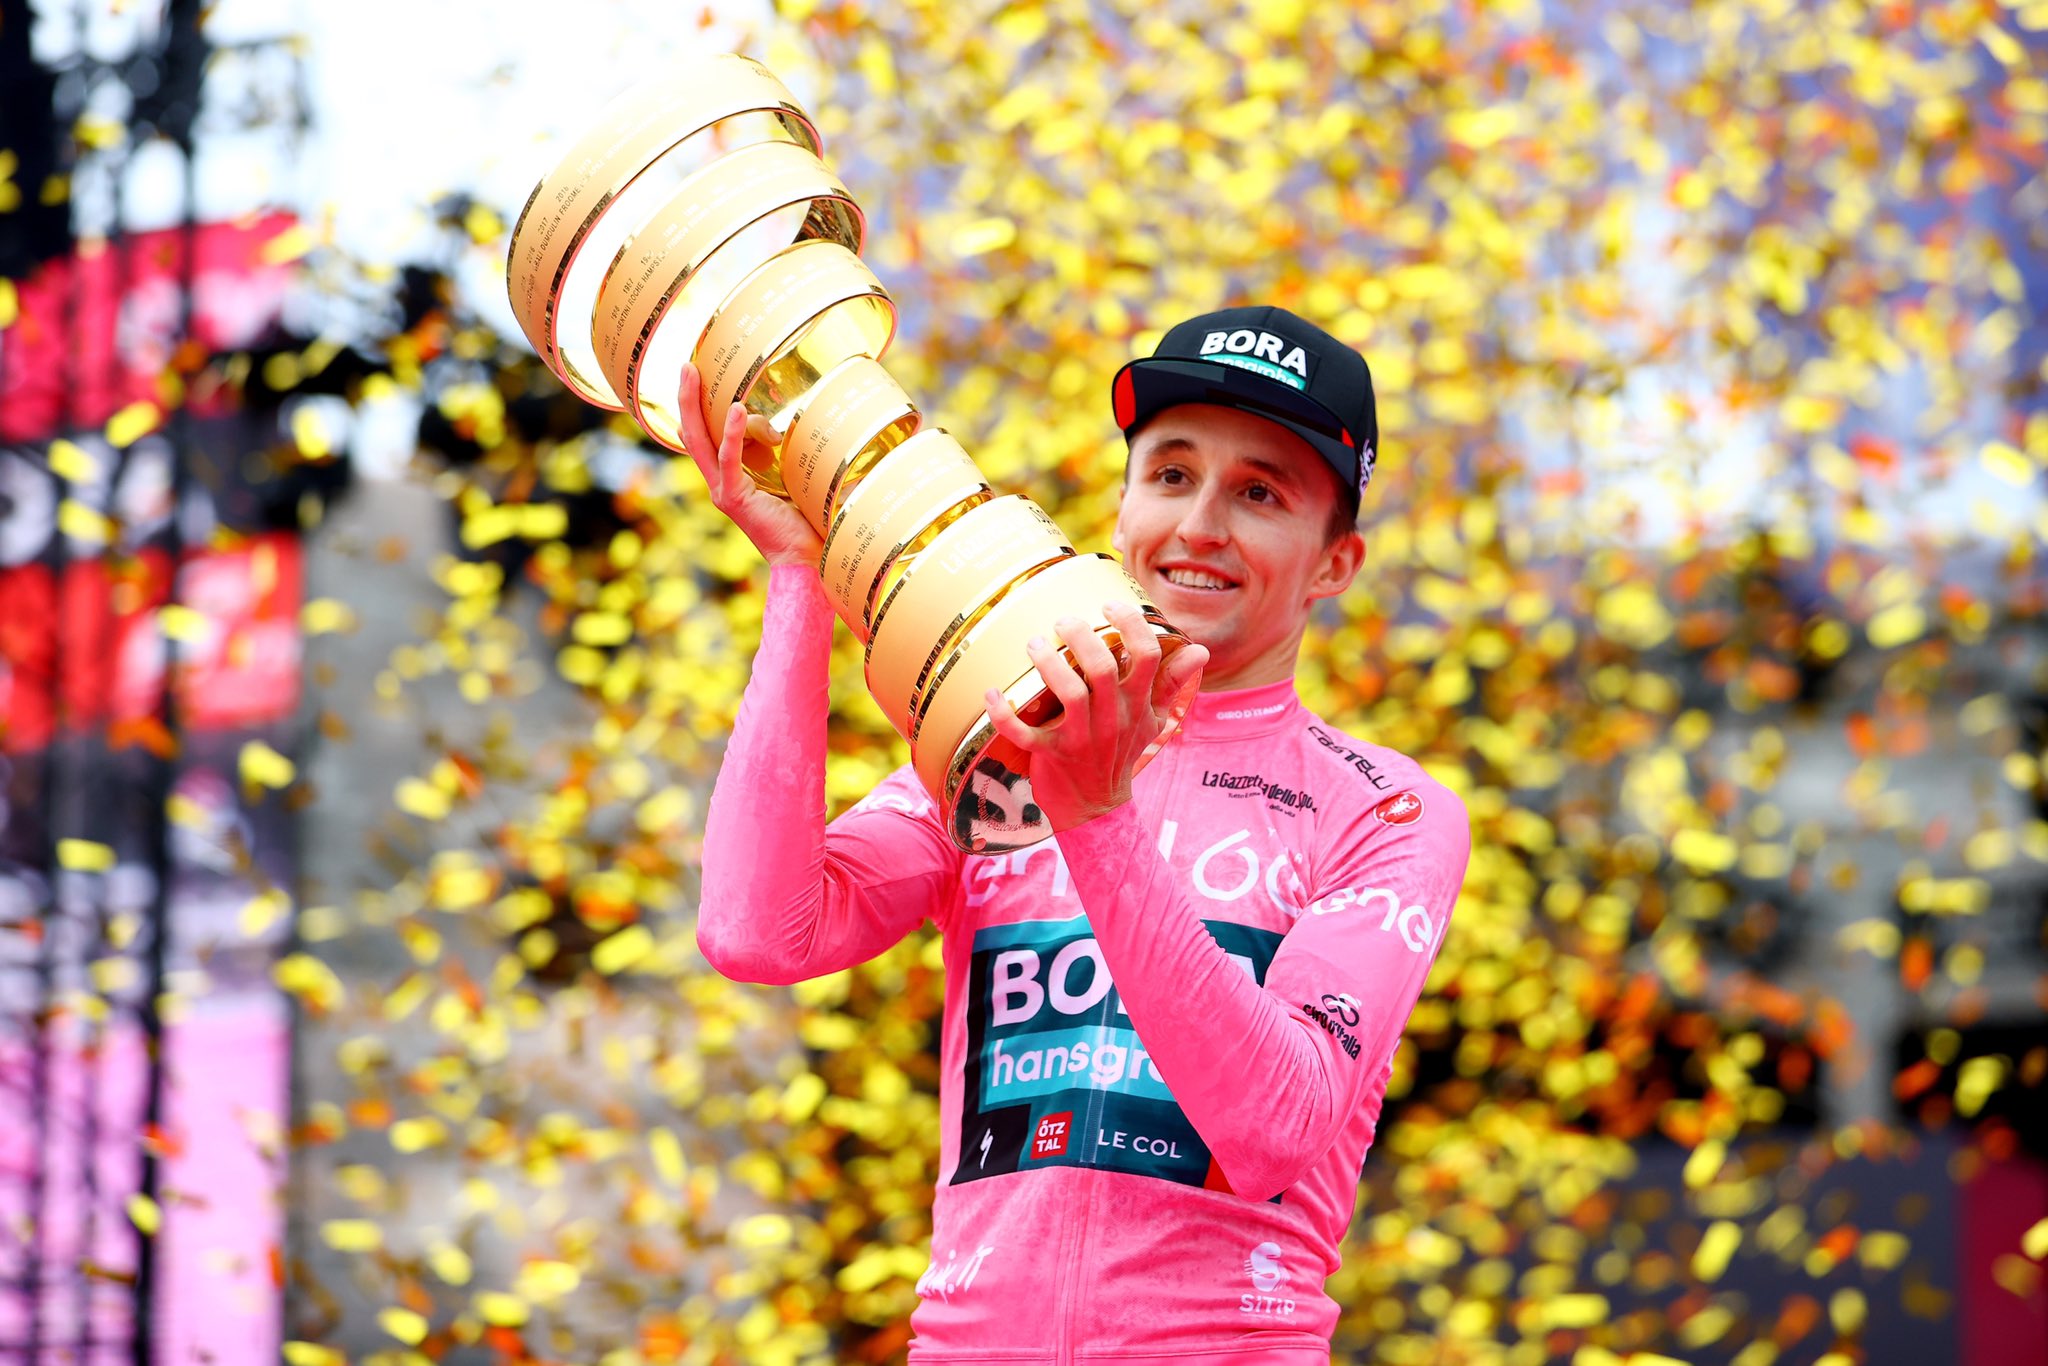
502, 1310
262, 766
144, 1213
408, 1327
82, 523
324, 616
84, 856
622, 950
262, 911
418, 798
132, 423
68, 460
450, 1263
352, 1235
312, 1354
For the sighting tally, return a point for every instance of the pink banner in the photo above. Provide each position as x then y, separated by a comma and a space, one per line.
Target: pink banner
221, 1185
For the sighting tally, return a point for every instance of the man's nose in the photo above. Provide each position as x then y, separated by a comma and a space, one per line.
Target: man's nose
1203, 522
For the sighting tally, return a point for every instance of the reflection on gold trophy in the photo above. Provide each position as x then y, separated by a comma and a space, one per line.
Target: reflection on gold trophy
696, 221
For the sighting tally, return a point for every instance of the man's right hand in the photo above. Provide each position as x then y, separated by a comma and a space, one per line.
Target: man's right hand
773, 524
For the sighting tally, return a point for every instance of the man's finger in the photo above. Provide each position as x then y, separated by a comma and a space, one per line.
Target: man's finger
697, 442
1178, 674
1141, 647
1097, 667
1010, 726
732, 478
1059, 676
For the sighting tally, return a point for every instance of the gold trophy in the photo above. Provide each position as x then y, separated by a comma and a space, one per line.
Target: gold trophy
697, 222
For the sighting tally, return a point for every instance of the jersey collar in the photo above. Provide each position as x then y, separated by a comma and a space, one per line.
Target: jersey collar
1243, 711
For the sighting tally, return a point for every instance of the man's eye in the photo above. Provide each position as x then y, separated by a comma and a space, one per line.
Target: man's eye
1260, 493
1170, 475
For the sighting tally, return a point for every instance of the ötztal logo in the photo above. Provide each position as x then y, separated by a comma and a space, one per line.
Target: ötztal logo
1412, 923
1403, 808
1050, 1138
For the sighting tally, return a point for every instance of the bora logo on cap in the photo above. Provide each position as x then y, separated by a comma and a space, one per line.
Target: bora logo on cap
1260, 352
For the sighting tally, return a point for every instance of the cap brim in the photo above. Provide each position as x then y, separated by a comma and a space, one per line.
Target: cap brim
1151, 385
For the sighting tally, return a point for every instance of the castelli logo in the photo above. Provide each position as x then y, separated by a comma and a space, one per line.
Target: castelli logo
1403, 808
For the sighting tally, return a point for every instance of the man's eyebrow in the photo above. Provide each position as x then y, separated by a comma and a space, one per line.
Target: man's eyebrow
1286, 474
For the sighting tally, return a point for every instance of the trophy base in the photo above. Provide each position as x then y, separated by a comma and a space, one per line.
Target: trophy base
985, 799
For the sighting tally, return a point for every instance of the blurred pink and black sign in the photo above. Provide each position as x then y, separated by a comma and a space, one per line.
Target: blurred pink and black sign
96, 637
99, 328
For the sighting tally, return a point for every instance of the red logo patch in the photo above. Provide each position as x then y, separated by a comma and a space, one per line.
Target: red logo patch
1051, 1138
1403, 808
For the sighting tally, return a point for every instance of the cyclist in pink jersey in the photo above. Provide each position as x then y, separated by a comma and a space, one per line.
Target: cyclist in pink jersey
1168, 1027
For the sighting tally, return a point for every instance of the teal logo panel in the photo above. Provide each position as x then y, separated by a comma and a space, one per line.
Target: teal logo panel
1057, 1075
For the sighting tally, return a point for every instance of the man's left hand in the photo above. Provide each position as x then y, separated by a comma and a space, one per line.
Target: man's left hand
1082, 760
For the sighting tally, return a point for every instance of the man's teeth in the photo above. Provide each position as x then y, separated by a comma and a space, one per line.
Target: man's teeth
1189, 578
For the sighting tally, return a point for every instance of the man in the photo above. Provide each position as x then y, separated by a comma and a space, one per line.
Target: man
1168, 1029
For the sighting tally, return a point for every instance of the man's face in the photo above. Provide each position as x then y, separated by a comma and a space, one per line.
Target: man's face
1225, 524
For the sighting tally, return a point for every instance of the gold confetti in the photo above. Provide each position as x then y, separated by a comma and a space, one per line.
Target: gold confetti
132, 423
450, 1263
82, 523
408, 1327
312, 1354
422, 799
352, 1235
324, 616
1622, 557
502, 1310
69, 460
262, 766
84, 856
622, 950
262, 911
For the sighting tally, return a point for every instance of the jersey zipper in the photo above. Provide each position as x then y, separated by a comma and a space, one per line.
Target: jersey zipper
1063, 1299
1081, 1278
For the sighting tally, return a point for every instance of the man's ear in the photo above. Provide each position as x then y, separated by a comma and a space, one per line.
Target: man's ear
1340, 565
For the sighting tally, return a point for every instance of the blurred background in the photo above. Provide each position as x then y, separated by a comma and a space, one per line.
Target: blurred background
360, 690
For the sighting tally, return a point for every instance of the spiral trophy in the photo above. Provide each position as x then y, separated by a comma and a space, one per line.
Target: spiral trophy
697, 221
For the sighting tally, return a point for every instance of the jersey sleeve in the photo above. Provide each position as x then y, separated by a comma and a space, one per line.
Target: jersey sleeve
1307, 1045
785, 898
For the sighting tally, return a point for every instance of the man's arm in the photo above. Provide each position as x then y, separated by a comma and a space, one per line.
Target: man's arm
1268, 1075
783, 900
780, 901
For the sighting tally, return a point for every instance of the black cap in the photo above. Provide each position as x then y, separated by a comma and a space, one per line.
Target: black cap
1268, 362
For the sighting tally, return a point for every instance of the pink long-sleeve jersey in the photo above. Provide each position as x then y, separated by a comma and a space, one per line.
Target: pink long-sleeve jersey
1167, 1031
